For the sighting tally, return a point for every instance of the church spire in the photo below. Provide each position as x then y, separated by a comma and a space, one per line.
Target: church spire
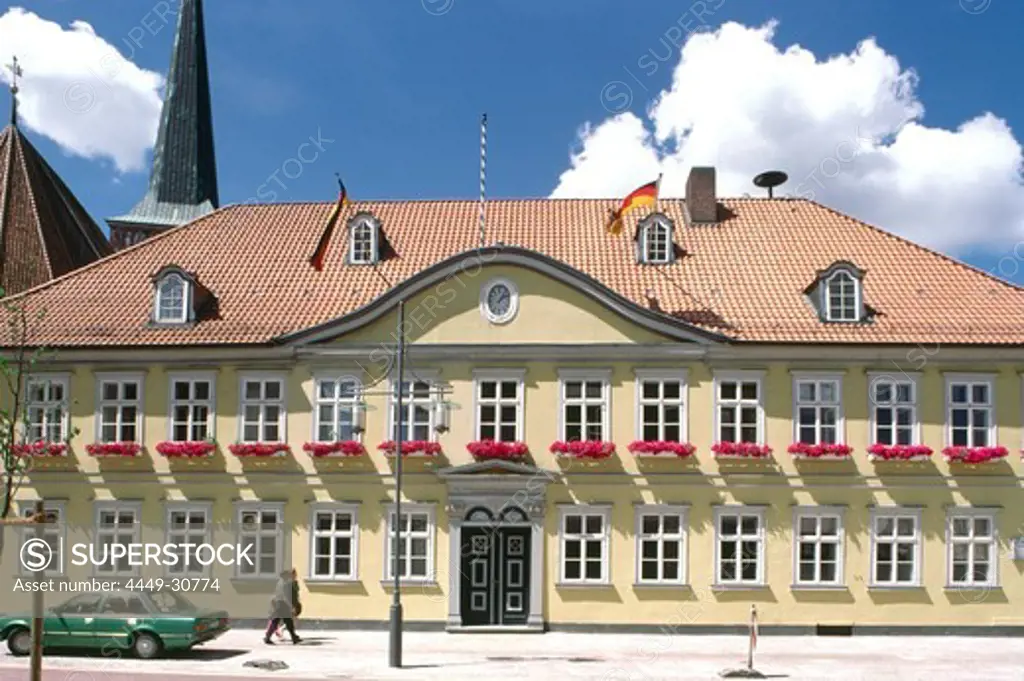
183, 182
15, 68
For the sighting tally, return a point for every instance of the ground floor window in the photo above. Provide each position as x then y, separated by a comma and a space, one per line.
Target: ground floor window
415, 547
818, 544
53, 535
261, 537
188, 524
583, 540
117, 523
971, 536
896, 547
661, 544
334, 532
739, 546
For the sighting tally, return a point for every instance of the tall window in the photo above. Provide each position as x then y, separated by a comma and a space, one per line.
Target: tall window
661, 544
896, 547
894, 410
53, 535
364, 244
818, 410
417, 410
819, 546
583, 536
739, 546
499, 405
192, 401
171, 297
46, 408
584, 406
262, 409
334, 543
972, 548
970, 404
416, 543
336, 417
656, 243
842, 298
120, 411
738, 408
117, 523
662, 401
188, 524
260, 526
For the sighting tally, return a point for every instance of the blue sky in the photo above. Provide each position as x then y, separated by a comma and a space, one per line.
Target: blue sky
399, 87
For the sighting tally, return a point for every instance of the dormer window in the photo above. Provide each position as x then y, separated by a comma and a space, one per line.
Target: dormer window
172, 299
654, 242
364, 240
838, 293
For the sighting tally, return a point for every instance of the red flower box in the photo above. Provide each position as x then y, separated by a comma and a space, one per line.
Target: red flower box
320, 450
40, 449
975, 454
116, 449
802, 450
259, 450
489, 449
741, 450
419, 447
186, 450
656, 447
583, 449
880, 452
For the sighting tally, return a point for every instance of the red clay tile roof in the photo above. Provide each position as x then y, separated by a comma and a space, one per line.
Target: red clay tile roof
44, 231
744, 278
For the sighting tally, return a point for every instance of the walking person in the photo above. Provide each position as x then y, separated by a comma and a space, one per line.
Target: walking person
284, 606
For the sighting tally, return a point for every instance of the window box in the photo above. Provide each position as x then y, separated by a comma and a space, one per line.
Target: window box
802, 450
489, 449
41, 449
411, 447
975, 454
658, 447
741, 450
261, 450
880, 452
583, 449
115, 449
186, 450
321, 450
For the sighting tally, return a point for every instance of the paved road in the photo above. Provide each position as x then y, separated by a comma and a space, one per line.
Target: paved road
362, 656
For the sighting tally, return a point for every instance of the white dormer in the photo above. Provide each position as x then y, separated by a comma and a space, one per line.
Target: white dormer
364, 239
839, 293
172, 299
654, 244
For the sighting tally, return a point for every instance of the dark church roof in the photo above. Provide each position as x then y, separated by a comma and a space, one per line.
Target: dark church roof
44, 231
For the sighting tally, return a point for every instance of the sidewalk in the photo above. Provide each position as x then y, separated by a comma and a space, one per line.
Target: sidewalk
360, 655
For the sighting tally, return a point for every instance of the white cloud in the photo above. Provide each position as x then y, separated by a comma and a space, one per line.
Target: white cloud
848, 129
79, 91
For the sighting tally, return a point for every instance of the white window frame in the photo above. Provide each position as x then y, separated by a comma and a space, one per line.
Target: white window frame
57, 532
969, 379
914, 379
211, 403
858, 304
430, 535
262, 403
171, 535
683, 538
588, 375
355, 228
158, 317
120, 379
117, 507
740, 510
352, 509
896, 512
663, 376
432, 379
721, 377
646, 242
992, 541
499, 376
583, 510
819, 512
49, 379
817, 378
279, 535
355, 402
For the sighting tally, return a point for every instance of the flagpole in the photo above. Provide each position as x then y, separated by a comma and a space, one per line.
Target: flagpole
483, 180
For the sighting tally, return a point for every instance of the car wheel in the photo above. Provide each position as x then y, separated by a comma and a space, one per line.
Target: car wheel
146, 646
19, 641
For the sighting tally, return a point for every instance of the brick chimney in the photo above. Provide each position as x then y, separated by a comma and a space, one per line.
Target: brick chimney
701, 203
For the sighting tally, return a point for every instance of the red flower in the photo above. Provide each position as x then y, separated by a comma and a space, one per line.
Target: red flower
680, 449
899, 452
741, 450
489, 449
342, 448
822, 451
185, 450
41, 448
260, 450
975, 454
126, 449
583, 449
424, 447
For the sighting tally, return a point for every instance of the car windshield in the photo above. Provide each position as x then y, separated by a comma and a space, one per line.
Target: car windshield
167, 602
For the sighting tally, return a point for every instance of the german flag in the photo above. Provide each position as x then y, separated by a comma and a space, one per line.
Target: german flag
317, 259
647, 195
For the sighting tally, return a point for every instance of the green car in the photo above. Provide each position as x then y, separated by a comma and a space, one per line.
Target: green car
146, 622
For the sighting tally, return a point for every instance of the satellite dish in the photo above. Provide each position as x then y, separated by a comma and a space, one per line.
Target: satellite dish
770, 179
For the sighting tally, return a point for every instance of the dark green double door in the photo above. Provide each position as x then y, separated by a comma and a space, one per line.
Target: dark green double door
495, 574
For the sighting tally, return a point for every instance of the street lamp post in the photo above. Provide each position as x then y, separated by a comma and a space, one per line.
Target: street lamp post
395, 641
